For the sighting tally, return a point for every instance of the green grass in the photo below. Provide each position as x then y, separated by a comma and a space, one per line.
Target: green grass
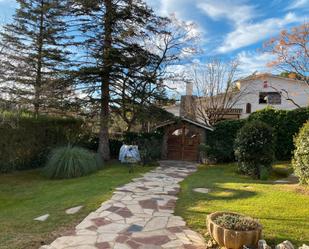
282, 170
27, 195
283, 211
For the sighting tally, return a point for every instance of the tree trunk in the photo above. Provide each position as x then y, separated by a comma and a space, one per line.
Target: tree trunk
103, 149
38, 80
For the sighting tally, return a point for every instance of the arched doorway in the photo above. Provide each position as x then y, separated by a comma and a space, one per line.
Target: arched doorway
182, 144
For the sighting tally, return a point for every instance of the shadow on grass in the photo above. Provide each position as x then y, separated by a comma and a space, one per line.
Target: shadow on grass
230, 191
224, 194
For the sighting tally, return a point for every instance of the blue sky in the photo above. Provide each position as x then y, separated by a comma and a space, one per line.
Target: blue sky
229, 28
237, 28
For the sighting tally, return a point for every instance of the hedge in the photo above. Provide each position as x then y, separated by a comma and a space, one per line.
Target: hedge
221, 141
25, 141
285, 124
142, 139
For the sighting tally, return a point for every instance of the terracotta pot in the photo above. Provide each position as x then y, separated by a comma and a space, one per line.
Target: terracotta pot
232, 239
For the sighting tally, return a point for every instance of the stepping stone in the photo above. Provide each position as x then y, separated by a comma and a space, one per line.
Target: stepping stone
135, 228
73, 210
42, 218
202, 190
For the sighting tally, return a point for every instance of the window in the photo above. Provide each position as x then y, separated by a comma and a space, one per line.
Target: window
248, 108
272, 98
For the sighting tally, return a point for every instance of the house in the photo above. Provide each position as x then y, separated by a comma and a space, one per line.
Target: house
254, 93
183, 135
264, 90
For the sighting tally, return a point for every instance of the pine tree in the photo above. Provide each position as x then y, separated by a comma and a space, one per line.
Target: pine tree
111, 30
122, 64
34, 54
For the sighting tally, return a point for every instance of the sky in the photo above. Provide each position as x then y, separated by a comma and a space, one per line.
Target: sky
229, 28
237, 28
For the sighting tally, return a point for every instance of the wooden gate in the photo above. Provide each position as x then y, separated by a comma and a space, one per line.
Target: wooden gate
182, 144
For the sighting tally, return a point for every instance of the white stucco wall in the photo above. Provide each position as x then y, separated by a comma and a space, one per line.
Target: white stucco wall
250, 89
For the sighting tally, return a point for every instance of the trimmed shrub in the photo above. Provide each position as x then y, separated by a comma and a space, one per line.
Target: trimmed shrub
300, 160
254, 149
71, 162
219, 145
25, 141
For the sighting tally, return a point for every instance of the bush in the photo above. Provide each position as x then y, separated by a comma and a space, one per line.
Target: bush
237, 222
150, 150
220, 142
149, 144
25, 141
300, 160
71, 162
114, 146
285, 124
254, 149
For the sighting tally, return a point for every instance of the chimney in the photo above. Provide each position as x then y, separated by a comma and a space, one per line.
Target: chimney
189, 88
187, 103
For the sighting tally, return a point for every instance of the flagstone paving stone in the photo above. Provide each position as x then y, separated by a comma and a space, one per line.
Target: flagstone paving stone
138, 216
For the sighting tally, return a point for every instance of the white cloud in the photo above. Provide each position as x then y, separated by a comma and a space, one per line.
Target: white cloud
235, 11
298, 4
250, 62
249, 33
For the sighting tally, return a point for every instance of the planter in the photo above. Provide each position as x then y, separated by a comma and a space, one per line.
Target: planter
232, 239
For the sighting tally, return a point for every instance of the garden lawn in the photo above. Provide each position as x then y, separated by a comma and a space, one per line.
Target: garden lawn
27, 195
283, 211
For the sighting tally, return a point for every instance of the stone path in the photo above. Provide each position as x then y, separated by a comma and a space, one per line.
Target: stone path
138, 216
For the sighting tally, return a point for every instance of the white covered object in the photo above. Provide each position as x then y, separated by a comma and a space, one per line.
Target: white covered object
129, 154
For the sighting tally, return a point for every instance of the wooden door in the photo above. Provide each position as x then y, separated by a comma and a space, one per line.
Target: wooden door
182, 144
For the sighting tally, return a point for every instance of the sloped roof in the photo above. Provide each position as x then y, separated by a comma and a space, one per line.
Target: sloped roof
169, 122
263, 75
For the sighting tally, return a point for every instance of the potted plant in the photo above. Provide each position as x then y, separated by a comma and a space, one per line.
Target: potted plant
233, 230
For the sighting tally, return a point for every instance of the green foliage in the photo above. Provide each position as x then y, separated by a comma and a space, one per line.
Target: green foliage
36, 38
71, 162
254, 148
150, 149
220, 142
25, 141
134, 137
300, 160
114, 146
149, 144
285, 124
237, 222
